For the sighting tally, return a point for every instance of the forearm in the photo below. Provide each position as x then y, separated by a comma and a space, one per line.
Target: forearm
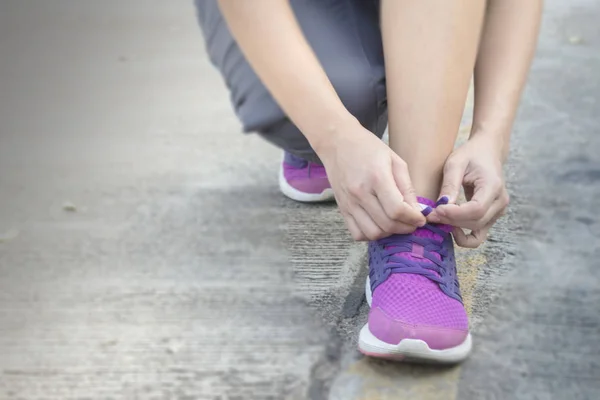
507, 46
271, 39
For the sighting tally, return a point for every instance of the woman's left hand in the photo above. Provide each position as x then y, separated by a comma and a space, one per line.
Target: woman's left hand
477, 166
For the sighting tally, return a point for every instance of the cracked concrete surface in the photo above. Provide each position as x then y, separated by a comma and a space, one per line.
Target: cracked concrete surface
180, 272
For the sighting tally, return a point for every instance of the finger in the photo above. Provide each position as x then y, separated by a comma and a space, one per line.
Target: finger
460, 237
454, 172
355, 231
472, 240
388, 225
496, 210
492, 217
409, 195
375, 210
478, 236
400, 224
366, 224
473, 210
391, 200
474, 224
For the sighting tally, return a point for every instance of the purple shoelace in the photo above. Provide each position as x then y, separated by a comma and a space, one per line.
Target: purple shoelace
440, 268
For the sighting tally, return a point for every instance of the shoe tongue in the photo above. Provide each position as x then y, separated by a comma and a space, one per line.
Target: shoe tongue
417, 251
426, 233
417, 255
424, 202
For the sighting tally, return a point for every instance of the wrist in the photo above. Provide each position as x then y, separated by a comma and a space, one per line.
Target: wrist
495, 142
325, 133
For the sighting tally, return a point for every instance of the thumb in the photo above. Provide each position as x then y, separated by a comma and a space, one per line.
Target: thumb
403, 182
454, 172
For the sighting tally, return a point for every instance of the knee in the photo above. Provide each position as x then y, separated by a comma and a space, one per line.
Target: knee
362, 91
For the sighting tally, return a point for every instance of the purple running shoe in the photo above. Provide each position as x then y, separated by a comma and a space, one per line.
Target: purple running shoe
416, 307
304, 181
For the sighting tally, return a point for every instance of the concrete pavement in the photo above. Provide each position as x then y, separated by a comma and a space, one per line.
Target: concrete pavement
145, 252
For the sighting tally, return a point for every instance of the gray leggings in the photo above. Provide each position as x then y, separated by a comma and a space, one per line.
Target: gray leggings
346, 38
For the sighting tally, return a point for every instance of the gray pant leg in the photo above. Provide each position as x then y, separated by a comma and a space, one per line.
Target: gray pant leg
346, 38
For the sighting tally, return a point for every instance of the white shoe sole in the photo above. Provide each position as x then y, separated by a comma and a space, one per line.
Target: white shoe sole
295, 194
409, 349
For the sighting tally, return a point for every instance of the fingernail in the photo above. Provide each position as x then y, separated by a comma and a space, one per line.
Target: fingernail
426, 211
442, 200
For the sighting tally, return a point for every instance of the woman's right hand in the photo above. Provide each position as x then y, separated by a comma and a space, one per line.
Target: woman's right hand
371, 184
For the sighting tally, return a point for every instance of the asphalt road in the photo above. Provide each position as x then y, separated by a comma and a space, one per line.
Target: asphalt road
146, 253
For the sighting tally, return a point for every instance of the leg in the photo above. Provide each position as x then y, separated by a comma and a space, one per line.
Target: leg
346, 38
430, 50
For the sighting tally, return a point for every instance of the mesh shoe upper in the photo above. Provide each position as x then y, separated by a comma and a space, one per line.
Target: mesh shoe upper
415, 288
304, 176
